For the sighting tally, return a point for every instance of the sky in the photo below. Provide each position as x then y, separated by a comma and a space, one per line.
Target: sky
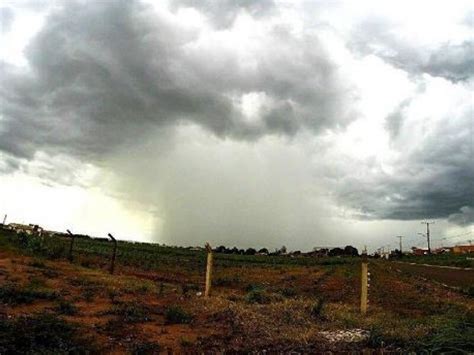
254, 123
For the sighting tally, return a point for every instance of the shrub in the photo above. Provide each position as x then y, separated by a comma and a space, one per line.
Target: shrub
42, 334
14, 295
66, 307
38, 264
176, 315
317, 308
257, 295
288, 292
145, 348
130, 312
227, 281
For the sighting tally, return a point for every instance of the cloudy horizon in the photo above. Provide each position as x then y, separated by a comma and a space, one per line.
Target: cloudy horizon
247, 123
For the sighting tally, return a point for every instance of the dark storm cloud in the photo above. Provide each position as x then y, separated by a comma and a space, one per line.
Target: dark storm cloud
464, 217
104, 73
433, 178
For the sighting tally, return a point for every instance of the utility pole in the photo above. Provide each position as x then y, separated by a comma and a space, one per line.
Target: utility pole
428, 234
4, 219
400, 237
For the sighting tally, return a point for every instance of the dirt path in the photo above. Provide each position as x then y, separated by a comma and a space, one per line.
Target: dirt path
447, 275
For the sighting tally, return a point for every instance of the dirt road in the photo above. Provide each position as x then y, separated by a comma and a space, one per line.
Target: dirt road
450, 276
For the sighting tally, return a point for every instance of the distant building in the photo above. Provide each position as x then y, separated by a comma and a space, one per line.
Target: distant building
419, 251
25, 228
462, 249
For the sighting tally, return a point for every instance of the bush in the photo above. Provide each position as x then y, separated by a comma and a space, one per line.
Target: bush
130, 312
66, 307
227, 281
288, 292
42, 334
257, 295
317, 308
14, 295
176, 315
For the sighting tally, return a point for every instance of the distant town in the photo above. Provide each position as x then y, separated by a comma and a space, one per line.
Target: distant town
35, 229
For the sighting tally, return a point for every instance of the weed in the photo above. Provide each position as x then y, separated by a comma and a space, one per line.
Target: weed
317, 308
38, 264
227, 281
184, 342
130, 312
37, 282
89, 293
257, 295
176, 315
13, 294
288, 292
42, 334
143, 348
66, 307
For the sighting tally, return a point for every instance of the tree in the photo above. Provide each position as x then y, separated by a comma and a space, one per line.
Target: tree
250, 251
263, 251
221, 249
349, 250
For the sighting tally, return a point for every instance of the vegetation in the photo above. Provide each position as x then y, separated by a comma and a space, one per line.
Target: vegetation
260, 303
42, 334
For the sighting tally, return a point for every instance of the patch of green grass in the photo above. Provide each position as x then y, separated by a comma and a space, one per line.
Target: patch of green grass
130, 312
38, 263
42, 334
12, 294
66, 307
177, 315
142, 348
227, 281
257, 295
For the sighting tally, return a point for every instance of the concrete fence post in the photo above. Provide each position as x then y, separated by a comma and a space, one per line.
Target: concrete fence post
71, 245
114, 253
208, 271
364, 287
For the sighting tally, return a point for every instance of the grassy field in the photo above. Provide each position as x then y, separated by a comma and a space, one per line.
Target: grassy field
152, 304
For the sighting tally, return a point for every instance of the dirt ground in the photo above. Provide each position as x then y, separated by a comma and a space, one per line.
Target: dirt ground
289, 308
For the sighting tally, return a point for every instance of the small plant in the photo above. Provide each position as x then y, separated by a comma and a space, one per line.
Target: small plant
145, 348
185, 342
130, 312
176, 315
317, 308
42, 334
257, 295
89, 293
113, 294
227, 281
38, 264
66, 307
288, 292
13, 295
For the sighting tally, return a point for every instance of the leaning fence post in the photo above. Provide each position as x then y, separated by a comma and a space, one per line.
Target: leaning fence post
364, 286
208, 270
71, 245
112, 262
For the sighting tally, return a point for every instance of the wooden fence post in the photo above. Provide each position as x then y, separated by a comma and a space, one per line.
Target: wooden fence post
208, 271
112, 262
71, 245
364, 286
